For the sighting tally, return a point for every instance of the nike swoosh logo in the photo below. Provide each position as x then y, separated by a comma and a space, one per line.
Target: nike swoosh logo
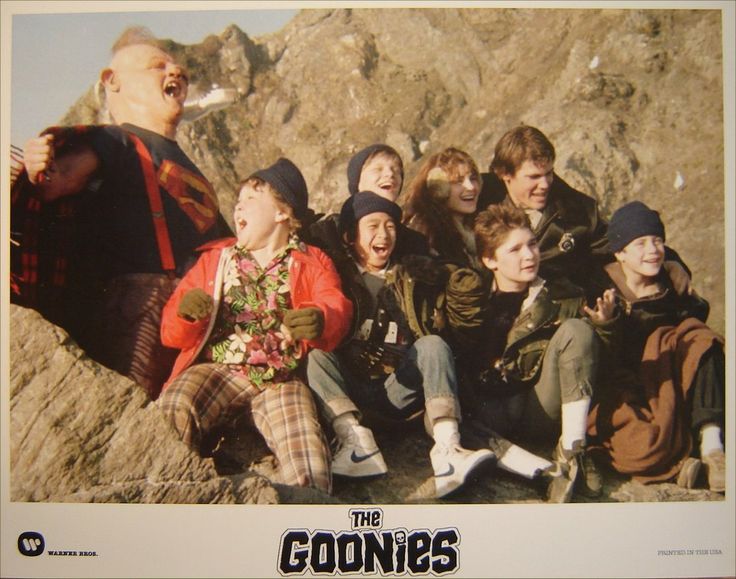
356, 458
450, 472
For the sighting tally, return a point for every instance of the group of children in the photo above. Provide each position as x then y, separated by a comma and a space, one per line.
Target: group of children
499, 307
390, 317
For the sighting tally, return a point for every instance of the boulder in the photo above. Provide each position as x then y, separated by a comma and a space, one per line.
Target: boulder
80, 432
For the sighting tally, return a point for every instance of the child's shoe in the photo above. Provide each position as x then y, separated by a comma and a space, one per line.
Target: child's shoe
688, 474
453, 464
715, 469
358, 455
571, 466
591, 481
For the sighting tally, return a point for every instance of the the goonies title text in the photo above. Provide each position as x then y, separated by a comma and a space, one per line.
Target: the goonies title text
369, 549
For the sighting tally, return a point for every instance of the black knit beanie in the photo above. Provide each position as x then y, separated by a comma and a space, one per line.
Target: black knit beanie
287, 179
364, 203
355, 165
632, 221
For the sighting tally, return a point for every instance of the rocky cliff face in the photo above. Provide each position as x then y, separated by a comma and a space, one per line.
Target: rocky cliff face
632, 100
83, 433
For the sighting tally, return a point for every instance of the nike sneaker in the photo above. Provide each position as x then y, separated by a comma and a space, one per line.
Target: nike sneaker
358, 455
453, 464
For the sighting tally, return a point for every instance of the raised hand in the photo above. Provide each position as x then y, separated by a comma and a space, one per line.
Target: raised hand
38, 157
604, 307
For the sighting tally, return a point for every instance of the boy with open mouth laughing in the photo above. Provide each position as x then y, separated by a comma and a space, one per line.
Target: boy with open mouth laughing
244, 317
388, 366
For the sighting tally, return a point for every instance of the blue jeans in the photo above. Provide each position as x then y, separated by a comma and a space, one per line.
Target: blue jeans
426, 377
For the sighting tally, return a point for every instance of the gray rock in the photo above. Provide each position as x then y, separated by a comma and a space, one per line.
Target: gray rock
80, 432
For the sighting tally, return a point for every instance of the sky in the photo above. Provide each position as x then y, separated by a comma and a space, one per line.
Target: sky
57, 57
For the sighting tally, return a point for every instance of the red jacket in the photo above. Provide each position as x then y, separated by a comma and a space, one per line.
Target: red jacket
314, 283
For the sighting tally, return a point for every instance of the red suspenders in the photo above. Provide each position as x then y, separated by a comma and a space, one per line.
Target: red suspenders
157, 208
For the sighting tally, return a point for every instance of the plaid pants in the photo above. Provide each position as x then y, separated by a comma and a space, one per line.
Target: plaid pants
205, 396
125, 331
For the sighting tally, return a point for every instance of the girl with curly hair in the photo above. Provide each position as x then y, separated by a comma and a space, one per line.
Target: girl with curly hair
441, 204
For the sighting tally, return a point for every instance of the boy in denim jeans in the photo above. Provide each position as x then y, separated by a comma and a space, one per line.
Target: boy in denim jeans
385, 366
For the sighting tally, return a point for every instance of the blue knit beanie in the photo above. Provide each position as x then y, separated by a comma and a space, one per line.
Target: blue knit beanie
632, 221
355, 165
364, 203
287, 179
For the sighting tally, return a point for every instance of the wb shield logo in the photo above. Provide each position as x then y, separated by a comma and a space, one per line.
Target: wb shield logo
30, 544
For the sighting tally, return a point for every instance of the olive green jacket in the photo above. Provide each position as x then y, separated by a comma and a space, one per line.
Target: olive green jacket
547, 306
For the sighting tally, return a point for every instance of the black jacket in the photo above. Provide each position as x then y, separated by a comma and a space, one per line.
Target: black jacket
571, 234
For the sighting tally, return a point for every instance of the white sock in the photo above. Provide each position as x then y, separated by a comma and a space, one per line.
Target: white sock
344, 423
445, 432
520, 461
574, 422
710, 438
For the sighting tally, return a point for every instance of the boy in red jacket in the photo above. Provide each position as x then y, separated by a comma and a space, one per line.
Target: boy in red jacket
244, 317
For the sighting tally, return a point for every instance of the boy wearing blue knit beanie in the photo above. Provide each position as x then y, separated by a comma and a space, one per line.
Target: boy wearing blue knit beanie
661, 417
377, 168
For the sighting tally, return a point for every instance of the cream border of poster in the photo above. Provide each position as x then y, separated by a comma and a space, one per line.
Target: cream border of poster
615, 540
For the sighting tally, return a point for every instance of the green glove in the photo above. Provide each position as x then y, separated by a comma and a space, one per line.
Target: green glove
305, 324
196, 304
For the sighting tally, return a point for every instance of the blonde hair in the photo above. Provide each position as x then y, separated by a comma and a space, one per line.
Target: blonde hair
134, 35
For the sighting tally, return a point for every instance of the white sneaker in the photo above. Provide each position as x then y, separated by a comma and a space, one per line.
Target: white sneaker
358, 455
453, 464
